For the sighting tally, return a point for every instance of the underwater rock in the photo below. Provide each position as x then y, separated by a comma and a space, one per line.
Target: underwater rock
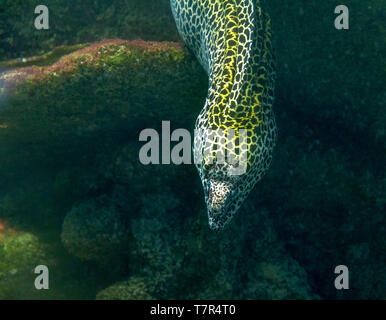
69, 137
44, 60
360, 258
327, 74
324, 203
93, 231
172, 245
158, 242
108, 87
88, 21
210, 267
71, 128
108, 53
248, 262
136, 288
20, 253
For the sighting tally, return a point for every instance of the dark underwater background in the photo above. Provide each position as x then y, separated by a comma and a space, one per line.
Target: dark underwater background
74, 196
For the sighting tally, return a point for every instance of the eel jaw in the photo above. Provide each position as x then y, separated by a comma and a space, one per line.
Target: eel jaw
221, 200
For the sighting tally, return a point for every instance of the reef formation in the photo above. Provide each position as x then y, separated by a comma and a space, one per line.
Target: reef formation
69, 156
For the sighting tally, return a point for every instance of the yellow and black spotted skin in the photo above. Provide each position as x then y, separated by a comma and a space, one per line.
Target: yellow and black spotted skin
232, 41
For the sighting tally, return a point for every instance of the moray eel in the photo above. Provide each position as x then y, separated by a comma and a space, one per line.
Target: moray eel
235, 132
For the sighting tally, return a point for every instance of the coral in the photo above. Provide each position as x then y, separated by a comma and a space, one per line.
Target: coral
20, 253
252, 265
93, 231
69, 152
136, 288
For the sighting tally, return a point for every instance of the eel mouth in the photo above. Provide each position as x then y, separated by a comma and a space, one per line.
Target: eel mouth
214, 225
220, 204
219, 219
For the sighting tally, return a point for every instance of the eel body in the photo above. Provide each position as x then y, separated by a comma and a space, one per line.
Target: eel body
235, 132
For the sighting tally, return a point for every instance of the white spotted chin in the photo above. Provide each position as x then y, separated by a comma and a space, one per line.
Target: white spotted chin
220, 203
218, 192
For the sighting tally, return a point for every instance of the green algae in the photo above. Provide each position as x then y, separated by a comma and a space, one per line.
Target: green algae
86, 21
132, 289
43, 60
20, 253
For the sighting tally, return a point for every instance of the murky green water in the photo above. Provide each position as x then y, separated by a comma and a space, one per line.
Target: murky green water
75, 197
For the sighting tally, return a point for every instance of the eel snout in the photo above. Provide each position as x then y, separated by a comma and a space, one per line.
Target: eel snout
220, 200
